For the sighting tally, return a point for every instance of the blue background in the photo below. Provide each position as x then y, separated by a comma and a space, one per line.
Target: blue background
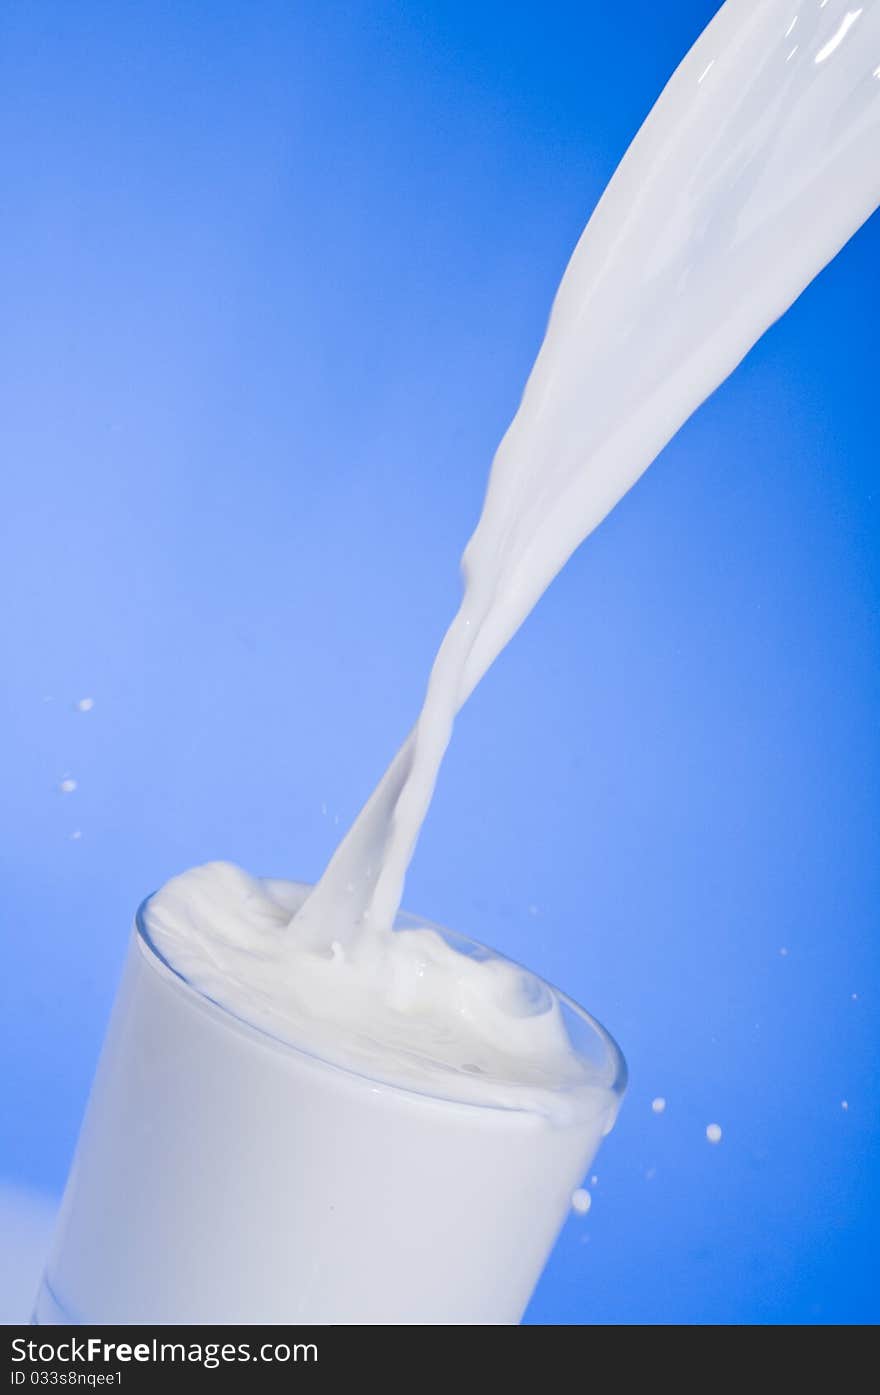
273, 276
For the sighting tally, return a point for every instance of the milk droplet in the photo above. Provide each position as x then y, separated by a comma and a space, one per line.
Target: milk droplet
581, 1201
658, 1105
76, 835
85, 704
713, 1133
844, 1104
67, 786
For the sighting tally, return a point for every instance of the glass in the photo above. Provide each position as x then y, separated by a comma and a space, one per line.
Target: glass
224, 1175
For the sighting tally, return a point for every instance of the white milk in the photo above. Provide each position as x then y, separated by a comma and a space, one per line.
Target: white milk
407, 1008
757, 163
333, 1121
223, 1175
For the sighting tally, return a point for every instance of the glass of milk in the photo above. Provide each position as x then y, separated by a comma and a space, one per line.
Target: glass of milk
225, 1175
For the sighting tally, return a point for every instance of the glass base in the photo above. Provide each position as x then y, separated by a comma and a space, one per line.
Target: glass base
48, 1311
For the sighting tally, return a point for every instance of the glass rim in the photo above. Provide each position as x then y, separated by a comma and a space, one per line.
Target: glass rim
618, 1072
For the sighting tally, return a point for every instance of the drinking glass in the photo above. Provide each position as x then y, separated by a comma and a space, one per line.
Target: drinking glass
224, 1175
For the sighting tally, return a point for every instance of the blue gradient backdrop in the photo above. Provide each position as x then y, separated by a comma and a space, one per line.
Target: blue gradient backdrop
272, 278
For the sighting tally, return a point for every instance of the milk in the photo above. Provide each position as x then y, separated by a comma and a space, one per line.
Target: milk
223, 1175
301, 1113
416, 1008
758, 161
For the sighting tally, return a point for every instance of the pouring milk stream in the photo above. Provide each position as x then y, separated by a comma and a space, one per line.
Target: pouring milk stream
221, 1175
758, 161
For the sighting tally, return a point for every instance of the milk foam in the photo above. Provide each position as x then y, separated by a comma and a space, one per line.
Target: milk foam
404, 1007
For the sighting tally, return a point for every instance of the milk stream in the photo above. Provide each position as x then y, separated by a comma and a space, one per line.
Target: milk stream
760, 158
758, 161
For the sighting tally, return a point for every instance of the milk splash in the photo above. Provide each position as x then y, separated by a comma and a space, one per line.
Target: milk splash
757, 163
759, 160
